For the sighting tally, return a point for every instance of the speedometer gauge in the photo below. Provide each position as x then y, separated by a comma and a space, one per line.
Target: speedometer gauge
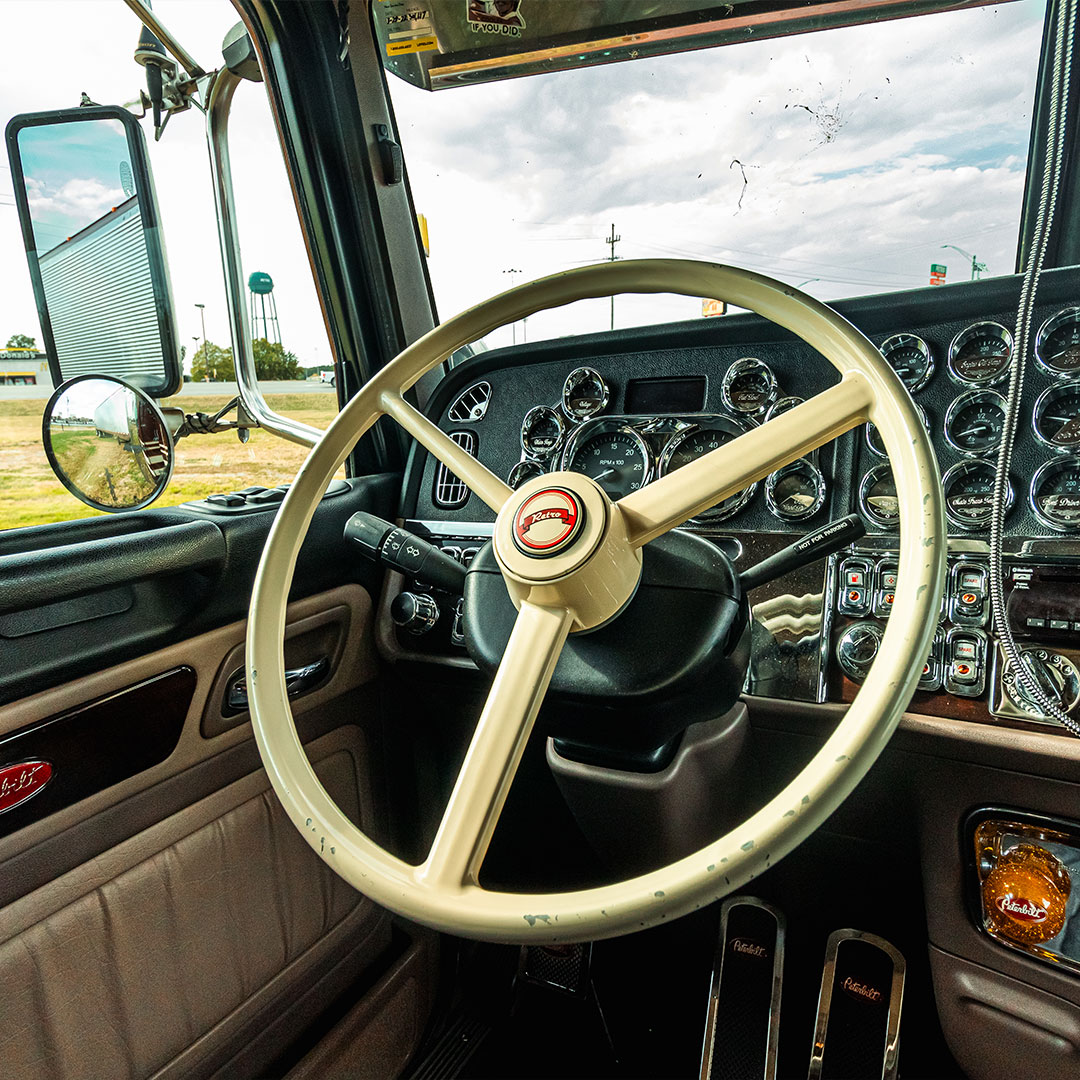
975, 422
979, 355
910, 357
1057, 345
584, 393
749, 387
1055, 494
694, 443
615, 457
969, 494
1056, 419
796, 491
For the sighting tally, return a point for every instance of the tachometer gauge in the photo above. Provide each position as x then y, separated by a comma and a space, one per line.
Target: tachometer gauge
1055, 494
541, 431
694, 443
969, 494
584, 393
975, 422
1056, 418
979, 355
873, 436
615, 457
523, 472
1057, 345
910, 357
749, 387
796, 491
877, 497
783, 405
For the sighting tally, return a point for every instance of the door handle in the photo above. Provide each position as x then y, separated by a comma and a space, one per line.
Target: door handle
297, 681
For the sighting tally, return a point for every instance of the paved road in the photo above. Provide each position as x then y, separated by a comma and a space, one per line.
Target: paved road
191, 389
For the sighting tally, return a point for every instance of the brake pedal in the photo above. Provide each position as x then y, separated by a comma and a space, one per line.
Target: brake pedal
858, 1020
743, 1019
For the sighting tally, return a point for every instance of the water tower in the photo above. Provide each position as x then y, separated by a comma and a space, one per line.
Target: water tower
262, 308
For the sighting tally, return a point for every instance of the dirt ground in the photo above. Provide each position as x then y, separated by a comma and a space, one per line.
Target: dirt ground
31, 495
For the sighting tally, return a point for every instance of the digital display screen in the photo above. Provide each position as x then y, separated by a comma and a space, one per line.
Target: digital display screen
685, 395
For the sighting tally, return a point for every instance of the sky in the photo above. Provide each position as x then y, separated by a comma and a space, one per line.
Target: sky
842, 161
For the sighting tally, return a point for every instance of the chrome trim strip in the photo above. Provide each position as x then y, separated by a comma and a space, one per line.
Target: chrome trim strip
896, 999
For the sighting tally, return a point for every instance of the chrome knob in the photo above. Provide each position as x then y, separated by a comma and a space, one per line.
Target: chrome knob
857, 647
415, 613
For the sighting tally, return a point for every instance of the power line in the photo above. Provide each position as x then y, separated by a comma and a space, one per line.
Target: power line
611, 241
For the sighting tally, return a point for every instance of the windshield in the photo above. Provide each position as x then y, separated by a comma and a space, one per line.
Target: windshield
859, 160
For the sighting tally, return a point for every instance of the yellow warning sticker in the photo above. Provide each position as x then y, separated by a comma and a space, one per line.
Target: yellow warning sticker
420, 44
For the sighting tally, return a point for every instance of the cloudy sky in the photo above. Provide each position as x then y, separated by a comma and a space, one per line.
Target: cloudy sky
844, 160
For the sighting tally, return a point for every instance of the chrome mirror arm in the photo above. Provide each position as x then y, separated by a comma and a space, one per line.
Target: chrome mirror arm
219, 97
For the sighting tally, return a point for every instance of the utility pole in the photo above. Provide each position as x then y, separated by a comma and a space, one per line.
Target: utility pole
202, 317
976, 267
611, 241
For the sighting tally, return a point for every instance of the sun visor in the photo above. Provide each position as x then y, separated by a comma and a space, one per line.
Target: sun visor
436, 44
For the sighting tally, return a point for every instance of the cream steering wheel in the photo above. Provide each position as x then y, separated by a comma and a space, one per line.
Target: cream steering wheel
584, 578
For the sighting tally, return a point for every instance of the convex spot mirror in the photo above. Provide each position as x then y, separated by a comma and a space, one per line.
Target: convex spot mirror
90, 227
108, 443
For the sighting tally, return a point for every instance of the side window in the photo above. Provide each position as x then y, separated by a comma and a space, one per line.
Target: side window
292, 353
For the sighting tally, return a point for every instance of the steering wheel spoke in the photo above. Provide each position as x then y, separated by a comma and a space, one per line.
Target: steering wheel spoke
666, 503
476, 477
497, 745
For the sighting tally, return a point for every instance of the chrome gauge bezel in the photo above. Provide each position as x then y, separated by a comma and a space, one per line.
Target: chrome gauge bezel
1056, 464
807, 467
1072, 386
987, 329
743, 366
1066, 315
550, 413
516, 476
574, 379
605, 426
870, 478
901, 341
783, 405
961, 468
870, 430
733, 503
962, 401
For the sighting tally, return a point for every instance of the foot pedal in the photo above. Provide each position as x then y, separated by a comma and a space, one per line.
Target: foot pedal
743, 1020
559, 967
858, 1021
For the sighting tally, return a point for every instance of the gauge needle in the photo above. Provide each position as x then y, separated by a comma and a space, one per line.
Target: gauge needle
975, 429
606, 472
1062, 419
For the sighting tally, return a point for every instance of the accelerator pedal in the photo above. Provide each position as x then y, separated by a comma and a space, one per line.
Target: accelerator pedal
858, 1020
743, 1019
558, 967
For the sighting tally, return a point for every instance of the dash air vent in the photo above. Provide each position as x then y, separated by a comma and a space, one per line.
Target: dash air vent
450, 492
471, 406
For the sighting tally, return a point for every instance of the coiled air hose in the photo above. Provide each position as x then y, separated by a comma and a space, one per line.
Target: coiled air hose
1057, 128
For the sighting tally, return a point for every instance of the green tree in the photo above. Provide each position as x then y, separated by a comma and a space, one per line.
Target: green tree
21, 341
273, 362
212, 362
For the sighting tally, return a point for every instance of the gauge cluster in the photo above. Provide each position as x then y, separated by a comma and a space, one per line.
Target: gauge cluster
964, 411
623, 453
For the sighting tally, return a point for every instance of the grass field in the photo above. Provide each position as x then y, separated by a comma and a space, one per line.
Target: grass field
31, 495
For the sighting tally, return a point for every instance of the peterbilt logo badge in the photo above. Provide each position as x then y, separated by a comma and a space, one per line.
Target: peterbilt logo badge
1021, 910
746, 947
19, 782
863, 991
547, 522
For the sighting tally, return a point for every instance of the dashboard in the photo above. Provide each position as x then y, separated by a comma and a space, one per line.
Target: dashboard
633, 405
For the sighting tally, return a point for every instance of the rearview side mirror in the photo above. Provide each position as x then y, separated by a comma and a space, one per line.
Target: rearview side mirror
93, 241
108, 443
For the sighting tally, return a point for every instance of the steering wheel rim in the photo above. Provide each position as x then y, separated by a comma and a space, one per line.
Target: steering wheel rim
443, 891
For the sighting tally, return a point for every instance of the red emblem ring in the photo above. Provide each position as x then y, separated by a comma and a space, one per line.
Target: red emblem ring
548, 522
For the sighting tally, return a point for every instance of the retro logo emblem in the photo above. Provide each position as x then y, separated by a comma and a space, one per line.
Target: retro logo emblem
22, 781
1020, 909
548, 522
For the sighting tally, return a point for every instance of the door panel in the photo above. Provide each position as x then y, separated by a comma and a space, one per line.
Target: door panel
162, 916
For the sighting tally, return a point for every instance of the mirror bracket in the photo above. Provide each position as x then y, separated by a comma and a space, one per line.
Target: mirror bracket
201, 423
